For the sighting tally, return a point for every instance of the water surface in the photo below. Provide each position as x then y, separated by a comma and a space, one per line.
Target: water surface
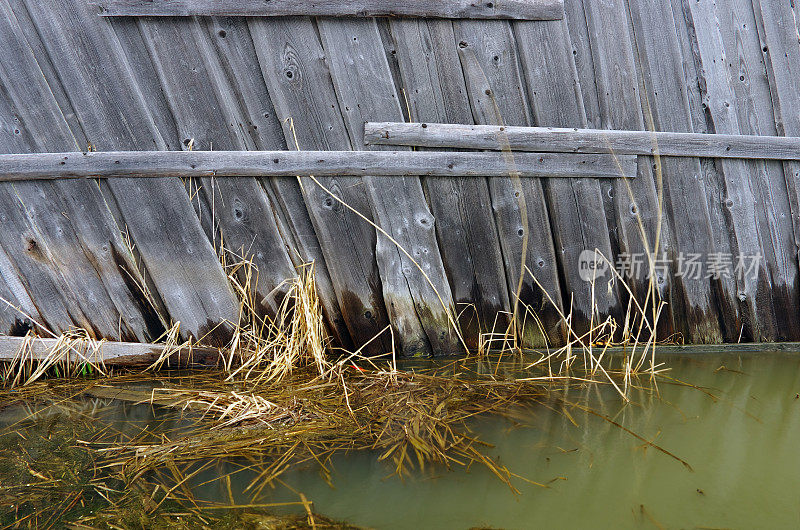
738, 428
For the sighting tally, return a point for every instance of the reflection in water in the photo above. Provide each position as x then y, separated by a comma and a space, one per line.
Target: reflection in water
740, 434
738, 428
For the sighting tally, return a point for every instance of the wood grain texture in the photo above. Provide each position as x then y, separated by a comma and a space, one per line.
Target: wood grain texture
63, 240
127, 354
556, 99
495, 86
113, 112
717, 80
780, 56
238, 215
636, 206
417, 305
515, 9
666, 108
243, 75
247, 164
293, 65
713, 179
578, 140
753, 295
434, 89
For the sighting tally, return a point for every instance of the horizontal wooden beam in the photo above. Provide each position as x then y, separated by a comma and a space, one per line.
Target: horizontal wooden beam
478, 9
111, 353
128, 164
547, 139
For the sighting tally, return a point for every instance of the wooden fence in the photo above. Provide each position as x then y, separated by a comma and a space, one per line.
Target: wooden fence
125, 257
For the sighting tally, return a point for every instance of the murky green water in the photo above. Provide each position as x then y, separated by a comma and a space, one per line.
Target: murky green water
739, 431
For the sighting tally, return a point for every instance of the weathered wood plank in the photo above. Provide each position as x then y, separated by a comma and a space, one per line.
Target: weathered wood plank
753, 296
292, 62
636, 205
563, 140
18, 309
238, 215
547, 62
782, 60
365, 90
127, 354
713, 180
239, 60
513, 9
112, 110
578, 34
747, 65
666, 108
244, 164
64, 242
434, 89
496, 90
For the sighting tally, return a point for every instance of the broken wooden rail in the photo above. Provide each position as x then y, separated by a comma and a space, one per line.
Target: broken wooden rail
486, 9
558, 140
128, 354
128, 164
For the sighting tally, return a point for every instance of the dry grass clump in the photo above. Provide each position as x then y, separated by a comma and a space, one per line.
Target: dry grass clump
267, 348
280, 401
74, 353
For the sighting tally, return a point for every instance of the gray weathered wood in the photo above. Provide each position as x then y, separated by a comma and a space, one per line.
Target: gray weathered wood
420, 307
556, 99
434, 89
127, 354
749, 75
753, 297
781, 59
63, 240
666, 108
636, 205
564, 140
495, 87
112, 110
18, 309
219, 164
515, 9
239, 60
713, 179
292, 61
238, 215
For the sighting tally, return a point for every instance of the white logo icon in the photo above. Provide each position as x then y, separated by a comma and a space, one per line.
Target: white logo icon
591, 266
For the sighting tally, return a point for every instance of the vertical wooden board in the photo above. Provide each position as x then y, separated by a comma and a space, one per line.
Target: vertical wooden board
496, 89
575, 205
754, 296
299, 83
66, 243
575, 19
781, 59
435, 90
365, 90
113, 112
636, 202
55, 315
666, 108
238, 60
713, 180
207, 110
18, 314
